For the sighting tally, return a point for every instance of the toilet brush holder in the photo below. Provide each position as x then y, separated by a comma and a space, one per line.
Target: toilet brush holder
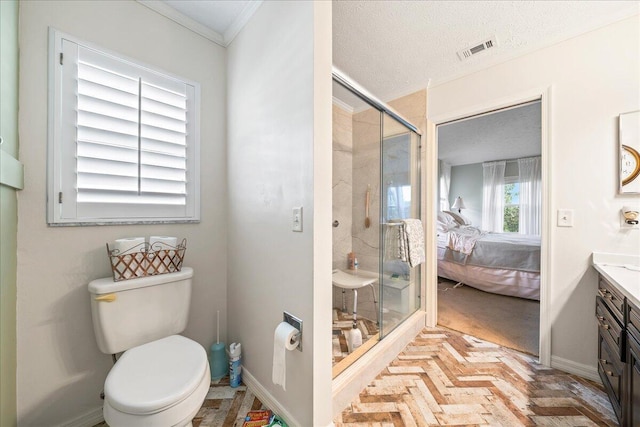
218, 361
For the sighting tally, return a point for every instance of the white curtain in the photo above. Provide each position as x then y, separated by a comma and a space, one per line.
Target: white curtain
530, 177
493, 196
444, 169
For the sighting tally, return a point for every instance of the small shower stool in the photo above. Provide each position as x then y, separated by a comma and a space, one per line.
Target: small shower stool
354, 282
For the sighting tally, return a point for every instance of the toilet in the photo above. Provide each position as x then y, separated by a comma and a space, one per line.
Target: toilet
162, 378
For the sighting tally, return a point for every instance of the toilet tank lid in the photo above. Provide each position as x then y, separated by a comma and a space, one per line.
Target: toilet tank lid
107, 285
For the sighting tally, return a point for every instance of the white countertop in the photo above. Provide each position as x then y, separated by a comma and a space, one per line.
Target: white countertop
622, 271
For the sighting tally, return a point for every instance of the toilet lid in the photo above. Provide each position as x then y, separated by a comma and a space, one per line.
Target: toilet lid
154, 376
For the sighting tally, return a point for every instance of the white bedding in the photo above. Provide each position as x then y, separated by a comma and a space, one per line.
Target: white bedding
502, 263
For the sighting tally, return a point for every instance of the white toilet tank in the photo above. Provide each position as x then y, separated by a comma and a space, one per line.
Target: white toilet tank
132, 312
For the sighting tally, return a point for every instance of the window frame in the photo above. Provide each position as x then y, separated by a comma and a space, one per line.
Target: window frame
58, 153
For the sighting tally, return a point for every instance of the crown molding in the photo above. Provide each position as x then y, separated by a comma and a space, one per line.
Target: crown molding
242, 20
190, 24
343, 105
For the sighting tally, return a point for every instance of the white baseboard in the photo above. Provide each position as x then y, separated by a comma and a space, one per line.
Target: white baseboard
88, 419
267, 398
585, 371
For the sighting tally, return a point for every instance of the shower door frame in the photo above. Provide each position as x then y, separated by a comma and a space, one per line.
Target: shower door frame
414, 152
384, 109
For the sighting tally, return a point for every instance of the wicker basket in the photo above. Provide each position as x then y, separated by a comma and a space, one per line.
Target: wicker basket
144, 260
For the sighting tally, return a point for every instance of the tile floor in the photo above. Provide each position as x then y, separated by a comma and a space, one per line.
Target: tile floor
444, 378
447, 378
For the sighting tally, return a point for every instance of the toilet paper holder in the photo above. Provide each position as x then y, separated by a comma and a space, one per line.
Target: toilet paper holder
296, 323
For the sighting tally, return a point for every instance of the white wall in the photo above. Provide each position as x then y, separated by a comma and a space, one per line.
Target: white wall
279, 157
593, 78
466, 182
60, 369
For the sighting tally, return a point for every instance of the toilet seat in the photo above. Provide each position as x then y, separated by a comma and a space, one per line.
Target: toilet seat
164, 381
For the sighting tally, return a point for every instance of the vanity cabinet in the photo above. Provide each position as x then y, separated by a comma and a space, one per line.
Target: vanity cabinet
619, 351
610, 354
633, 365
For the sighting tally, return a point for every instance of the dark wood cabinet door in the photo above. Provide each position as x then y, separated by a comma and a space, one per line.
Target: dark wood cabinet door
633, 393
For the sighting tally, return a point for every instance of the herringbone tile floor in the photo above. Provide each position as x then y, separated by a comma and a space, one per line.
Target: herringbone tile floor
445, 378
225, 406
448, 378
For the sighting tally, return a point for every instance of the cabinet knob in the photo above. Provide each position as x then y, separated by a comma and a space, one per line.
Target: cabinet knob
602, 324
610, 373
603, 361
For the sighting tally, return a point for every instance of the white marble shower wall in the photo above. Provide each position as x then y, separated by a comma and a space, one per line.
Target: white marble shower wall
342, 185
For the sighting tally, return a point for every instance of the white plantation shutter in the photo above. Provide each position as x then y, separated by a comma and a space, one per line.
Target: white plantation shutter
127, 141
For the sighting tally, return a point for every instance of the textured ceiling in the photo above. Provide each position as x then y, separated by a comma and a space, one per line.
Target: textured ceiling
507, 134
393, 48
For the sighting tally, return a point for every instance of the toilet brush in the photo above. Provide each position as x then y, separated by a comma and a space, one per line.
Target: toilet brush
218, 361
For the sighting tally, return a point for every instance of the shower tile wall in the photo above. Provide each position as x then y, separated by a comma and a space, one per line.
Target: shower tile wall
342, 185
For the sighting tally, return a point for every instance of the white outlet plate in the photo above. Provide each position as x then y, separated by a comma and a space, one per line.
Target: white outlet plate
297, 219
565, 217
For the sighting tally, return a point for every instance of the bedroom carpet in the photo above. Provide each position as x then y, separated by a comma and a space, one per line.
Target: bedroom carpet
508, 321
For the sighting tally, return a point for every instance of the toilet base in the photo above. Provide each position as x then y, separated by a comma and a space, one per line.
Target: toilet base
178, 415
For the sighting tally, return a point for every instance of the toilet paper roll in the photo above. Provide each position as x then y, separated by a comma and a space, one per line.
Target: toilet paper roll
163, 243
129, 244
283, 339
132, 251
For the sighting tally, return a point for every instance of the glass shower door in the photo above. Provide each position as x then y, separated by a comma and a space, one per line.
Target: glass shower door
400, 199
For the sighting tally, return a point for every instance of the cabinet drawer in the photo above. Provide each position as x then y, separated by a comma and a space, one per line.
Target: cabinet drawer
612, 298
611, 371
633, 319
609, 327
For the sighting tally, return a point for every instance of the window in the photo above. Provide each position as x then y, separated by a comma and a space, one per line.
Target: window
511, 205
399, 202
123, 139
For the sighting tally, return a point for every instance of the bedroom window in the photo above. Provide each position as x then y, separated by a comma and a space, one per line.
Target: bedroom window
399, 202
123, 139
511, 205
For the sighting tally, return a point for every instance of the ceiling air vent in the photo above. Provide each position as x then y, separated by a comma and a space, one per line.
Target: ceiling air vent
477, 48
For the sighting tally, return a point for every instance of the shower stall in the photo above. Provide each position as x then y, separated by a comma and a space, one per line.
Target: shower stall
376, 185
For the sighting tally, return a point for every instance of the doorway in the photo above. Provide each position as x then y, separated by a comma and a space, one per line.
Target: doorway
490, 226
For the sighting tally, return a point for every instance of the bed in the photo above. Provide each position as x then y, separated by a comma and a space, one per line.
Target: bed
501, 263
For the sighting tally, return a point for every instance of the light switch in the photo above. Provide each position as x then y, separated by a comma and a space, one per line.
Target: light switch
565, 217
297, 219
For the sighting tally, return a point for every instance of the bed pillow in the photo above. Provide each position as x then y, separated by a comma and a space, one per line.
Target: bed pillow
457, 218
445, 222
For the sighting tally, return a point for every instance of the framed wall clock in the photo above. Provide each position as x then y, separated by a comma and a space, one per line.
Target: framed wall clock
629, 164
630, 152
